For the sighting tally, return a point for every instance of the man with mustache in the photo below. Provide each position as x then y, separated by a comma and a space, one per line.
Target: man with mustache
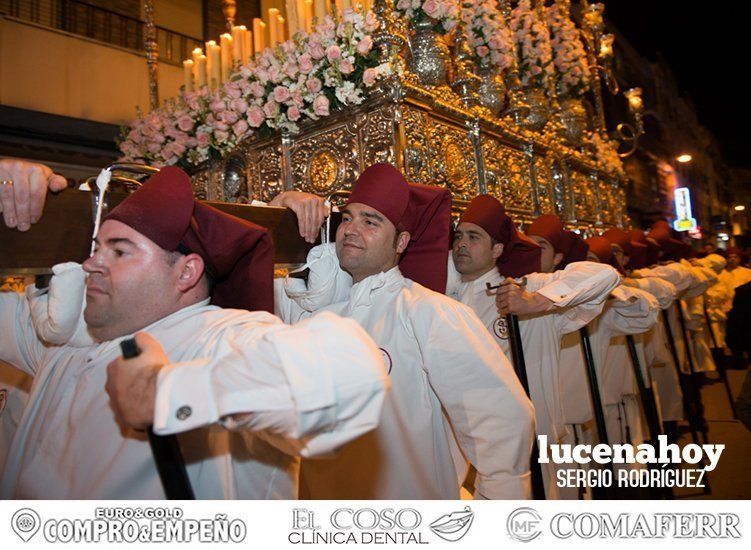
167, 269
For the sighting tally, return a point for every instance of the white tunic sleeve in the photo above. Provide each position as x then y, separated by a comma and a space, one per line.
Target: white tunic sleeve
19, 345
490, 415
664, 291
630, 311
307, 388
675, 274
578, 292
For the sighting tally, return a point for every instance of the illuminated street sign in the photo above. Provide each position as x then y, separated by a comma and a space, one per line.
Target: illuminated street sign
684, 221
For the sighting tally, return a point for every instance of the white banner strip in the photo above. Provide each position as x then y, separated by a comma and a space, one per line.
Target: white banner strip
440, 524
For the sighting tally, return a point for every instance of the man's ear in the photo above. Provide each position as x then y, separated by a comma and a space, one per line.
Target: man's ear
402, 240
497, 250
191, 270
557, 259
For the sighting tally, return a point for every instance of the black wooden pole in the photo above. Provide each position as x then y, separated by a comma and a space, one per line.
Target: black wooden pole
166, 450
598, 493
520, 367
688, 408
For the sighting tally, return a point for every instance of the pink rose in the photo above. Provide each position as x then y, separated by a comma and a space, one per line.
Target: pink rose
232, 90
369, 77
271, 108
333, 53
229, 117
218, 106
316, 50
221, 136
178, 149
256, 89
371, 22
365, 45
314, 85
431, 9
281, 94
240, 127
305, 63
256, 116
291, 70
297, 98
202, 139
321, 105
238, 105
404, 5
293, 113
483, 51
154, 148
346, 67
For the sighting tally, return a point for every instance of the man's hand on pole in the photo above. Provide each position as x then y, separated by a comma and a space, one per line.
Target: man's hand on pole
23, 190
512, 298
131, 383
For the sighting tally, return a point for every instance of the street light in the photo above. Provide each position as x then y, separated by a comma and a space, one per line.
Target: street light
739, 208
684, 158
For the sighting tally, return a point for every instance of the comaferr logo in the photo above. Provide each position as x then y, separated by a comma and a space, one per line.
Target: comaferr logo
453, 526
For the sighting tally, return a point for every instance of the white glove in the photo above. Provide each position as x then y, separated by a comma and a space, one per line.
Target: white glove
327, 282
57, 312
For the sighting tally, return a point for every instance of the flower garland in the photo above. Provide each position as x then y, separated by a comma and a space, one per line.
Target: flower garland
444, 13
533, 50
305, 77
487, 34
569, 56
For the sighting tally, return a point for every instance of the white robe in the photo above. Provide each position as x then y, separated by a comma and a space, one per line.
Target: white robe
578, 294
14, 392
657, 353
69, 445
450, 384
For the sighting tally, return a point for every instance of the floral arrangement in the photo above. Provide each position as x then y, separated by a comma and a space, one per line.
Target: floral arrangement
569, 57
487, 34
533, 49
444, 13
166, 135
303, 78
606, 155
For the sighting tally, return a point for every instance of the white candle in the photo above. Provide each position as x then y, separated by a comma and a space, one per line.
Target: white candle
188, 74
237, 44
320, 10
308, 14
197, 54
292, 16
201, 71
247, 46
259, 33
273, 27
214, 64
226, 41
281, 32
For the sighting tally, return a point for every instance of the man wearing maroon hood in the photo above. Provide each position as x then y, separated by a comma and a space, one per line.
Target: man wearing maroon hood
489, 250
167, 270
454, 396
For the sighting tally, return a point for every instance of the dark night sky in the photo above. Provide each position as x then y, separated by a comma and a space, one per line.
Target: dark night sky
707, 45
